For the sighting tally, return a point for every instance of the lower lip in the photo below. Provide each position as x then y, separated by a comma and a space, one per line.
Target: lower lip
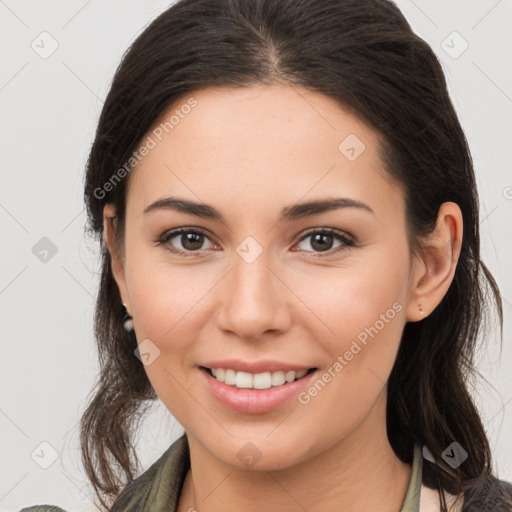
254, 401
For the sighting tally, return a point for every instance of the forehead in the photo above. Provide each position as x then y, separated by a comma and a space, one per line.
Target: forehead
254, 141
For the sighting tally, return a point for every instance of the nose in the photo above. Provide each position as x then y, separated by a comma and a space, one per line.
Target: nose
253, 300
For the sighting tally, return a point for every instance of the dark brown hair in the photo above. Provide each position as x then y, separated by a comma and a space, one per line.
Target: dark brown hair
363, 54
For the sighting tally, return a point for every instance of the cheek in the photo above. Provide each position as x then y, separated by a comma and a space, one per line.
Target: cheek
364, 310
362, 302
171, 305
166, 305
165, 297
365, 313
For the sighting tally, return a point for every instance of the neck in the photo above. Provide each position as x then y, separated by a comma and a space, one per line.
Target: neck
359, 472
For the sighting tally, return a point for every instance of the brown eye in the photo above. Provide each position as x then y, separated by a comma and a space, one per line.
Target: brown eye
325, 240
321, 242
183, 241
192, 241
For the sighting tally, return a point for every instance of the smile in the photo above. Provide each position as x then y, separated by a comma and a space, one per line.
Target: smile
255, 388
264, 380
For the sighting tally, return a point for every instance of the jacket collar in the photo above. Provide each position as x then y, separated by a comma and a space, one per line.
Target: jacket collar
158, 488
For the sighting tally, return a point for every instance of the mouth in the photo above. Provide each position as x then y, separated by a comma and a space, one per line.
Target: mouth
256, 381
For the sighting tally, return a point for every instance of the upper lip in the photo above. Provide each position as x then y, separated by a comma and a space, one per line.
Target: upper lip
255, 366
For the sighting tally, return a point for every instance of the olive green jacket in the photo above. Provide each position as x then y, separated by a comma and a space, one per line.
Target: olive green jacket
159, 487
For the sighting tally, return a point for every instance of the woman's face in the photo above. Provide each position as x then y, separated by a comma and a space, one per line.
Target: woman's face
257, 290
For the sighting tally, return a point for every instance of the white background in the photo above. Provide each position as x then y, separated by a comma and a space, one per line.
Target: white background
49, 111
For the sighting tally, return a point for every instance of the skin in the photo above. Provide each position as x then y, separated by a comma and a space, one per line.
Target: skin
249, 152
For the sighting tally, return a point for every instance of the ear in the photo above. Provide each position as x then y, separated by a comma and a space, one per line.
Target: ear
116, 258
433, 270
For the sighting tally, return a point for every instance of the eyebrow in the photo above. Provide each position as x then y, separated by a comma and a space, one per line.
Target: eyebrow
293, 212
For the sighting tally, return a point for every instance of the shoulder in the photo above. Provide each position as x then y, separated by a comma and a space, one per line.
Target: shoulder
42, 508
495, 496
160, 485
490, 494
503, 487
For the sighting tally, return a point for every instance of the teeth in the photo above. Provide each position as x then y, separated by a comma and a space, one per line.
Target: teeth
262, 381
290, 376
265, 380
230, 377
278, 379
243, 380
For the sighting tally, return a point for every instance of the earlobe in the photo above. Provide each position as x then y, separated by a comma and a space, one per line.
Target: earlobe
116, 260
433, 271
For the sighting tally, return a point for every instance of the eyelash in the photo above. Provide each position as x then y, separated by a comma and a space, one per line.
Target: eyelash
346, 241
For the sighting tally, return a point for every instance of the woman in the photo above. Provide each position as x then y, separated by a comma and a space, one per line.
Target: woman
287, 207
